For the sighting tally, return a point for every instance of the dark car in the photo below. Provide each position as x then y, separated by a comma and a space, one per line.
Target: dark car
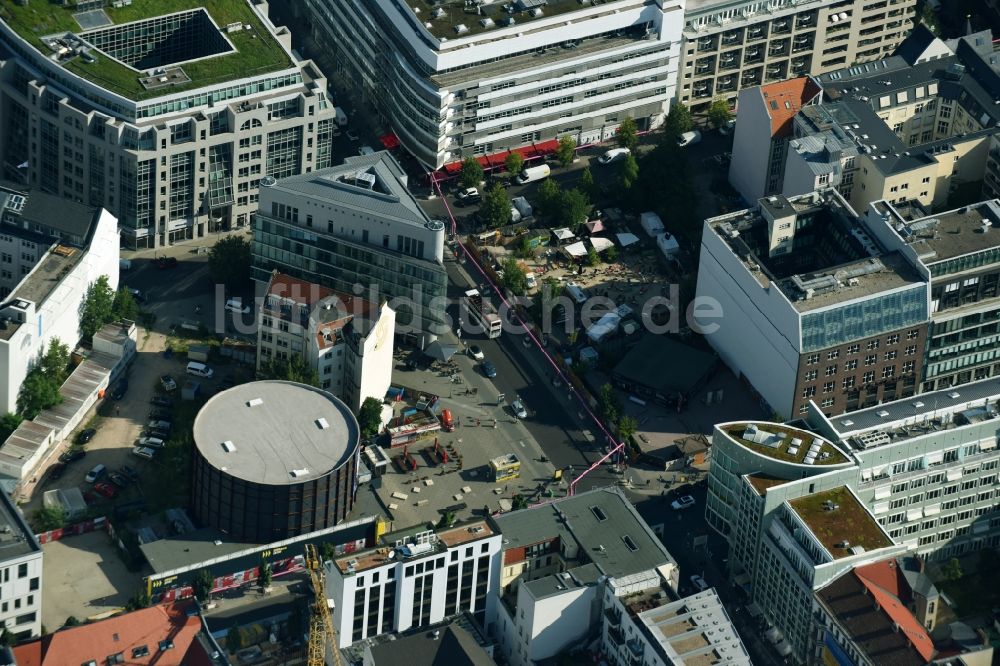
56, 471
156, 433
488, 369
160, 415
128, 472
161, 401
166, 262
85, 436
72, 455
120, 390
120, 480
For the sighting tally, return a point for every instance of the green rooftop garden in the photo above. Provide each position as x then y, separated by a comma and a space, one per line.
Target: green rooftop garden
257, 51
849, 522
781, 452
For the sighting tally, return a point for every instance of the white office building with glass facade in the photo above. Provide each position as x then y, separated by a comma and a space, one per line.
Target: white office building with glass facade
169, 121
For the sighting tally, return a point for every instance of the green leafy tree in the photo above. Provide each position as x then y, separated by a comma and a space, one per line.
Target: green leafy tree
370, 417
49, 518
471, 173
447, 520
495, 208
295, 369
514, 277
234, 640
719, 113
611, 255
38, 392
930, 19
548, 198
628, 135
264, 580
952, 570
229, 262
678, 121
55, 361
566, 151
124, 305
592, 257
8, 424
522, 246
8, 638
608, 402
627, 426
628, 173
573, 209
514, 163
202, 585
138, 601
587, 183
518, 502
97, 308
71, 621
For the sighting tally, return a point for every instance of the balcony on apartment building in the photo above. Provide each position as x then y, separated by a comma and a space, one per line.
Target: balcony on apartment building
729, 60
756, 32
753, 55
706, 44
781, 26
732, 38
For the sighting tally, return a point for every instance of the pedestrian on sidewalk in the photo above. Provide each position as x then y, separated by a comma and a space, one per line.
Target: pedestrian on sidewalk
118, 410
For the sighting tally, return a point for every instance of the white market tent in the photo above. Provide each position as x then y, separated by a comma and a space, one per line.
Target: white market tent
563, 234
627, 239
576, 250
601, 244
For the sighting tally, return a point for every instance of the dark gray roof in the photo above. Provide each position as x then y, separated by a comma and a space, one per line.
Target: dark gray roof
451, 646
915, 43
582, 576
665, 365
604, 535
945, 400
53, 213
16, 538
387, 198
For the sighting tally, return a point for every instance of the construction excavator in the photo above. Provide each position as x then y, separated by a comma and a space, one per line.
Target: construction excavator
321, 630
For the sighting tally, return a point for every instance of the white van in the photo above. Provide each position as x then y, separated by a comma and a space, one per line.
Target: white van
576, 293
199, 370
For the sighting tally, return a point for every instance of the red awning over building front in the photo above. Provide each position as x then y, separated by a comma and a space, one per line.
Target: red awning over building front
389, 141
496, 160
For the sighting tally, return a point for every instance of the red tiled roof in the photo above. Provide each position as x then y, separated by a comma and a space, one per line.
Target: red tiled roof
123, 633
784, 99
887, 575
891, 605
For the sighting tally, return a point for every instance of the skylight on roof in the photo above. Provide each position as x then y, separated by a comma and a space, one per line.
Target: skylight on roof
631, 545
598, 513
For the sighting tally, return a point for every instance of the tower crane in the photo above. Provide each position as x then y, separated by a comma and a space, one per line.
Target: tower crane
321, 630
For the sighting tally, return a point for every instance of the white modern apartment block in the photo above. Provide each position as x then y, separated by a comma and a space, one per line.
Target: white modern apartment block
356, 229
168, 120
347, 340
557, 558
414, 578
454, 81
20, 574
735, 44
918, 476
653, 628
43, 280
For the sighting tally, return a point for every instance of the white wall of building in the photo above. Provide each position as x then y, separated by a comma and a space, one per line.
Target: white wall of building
758, 334
799, 178
21, 594
344, 589
58, 316
544, 627
369, 373
751, 146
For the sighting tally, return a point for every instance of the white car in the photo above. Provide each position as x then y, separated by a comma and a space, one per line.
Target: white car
236, 305
530, 280
151, 442
614, 155
468, 194
689, 138
685, 502
518, 408
476, 352
700, 584
144, 452
366, 150
728, 127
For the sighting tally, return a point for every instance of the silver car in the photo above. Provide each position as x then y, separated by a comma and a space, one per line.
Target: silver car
518, 408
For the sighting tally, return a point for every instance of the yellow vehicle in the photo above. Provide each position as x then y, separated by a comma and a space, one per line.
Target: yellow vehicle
505, 467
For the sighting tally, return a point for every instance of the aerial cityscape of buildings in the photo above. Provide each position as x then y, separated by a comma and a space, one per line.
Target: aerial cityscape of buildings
535, 332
